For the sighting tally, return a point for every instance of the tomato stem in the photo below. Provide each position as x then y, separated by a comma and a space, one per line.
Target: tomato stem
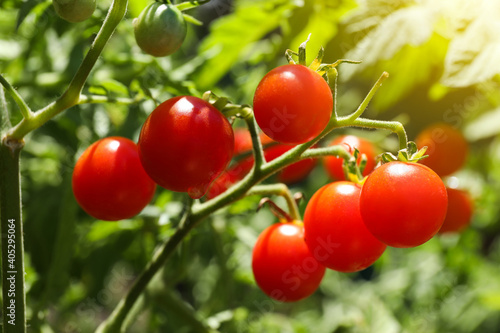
281, 190
96, 99
71, 96
362, 107
13, 293
23, 107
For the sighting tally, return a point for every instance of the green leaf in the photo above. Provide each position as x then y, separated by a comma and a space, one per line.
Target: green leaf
110, 86
473, 55
232, 34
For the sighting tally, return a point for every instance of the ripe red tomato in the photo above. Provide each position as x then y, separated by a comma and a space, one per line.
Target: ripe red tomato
458, 215
185, 144
160, 29
109, 181
282, 265
403, 204
292, 104
335, 232
446, 147
334, 165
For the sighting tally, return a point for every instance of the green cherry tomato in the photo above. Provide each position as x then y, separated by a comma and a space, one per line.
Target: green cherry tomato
74, 10
160, 29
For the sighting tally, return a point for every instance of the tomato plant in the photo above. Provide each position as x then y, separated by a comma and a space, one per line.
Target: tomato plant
109, 181
334, 165
185, 144
446, 147
74, 10
282, 264
335, 232
292, 104
459, 213
160, 29
403, 204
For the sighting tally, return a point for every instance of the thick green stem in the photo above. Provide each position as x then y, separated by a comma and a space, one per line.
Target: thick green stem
393, 126
23, 107
71, 96
281, 190
14, 299
258, 152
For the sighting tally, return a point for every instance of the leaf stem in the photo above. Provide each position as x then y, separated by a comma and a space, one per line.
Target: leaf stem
23, 107
95, 99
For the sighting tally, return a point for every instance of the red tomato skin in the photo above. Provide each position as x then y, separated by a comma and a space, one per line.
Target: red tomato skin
292, 104
403, 204
109, 182
185, 144
446, 147
282, 265
333, 165
459, 213
335, 232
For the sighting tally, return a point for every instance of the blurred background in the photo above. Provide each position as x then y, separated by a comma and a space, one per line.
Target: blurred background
443, 60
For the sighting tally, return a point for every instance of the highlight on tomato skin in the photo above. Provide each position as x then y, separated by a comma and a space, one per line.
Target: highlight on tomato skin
283, 267
334, 165
109, 182
185, 144
335, 232
459, 213
403, 204
446, 147
292, 104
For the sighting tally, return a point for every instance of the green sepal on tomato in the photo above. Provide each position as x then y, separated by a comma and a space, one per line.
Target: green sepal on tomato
160, 29
282, 264
185, 144
74, 11
334, 166
109, 182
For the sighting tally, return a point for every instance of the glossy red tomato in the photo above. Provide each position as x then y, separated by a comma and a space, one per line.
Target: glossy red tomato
292, 104
446, 147
459, 213
185, 144
334, 165
109, 181
403, 204
335, 232
282, 265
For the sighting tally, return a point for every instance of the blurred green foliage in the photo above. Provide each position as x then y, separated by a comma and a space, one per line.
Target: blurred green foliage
443, 63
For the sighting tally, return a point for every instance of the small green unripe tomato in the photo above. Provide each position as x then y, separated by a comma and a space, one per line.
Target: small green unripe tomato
74, 10
160, 29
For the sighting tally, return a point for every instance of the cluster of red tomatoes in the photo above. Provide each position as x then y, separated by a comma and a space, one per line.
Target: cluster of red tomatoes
186, 145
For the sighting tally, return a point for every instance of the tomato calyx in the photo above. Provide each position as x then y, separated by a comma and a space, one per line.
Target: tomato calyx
224, 105
410, 154
354, 171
